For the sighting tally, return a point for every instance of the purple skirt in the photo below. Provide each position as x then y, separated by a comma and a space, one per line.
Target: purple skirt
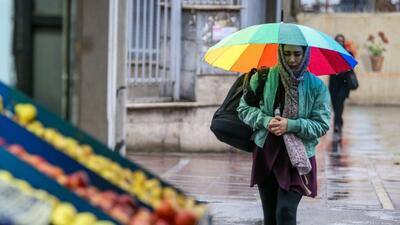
273, 159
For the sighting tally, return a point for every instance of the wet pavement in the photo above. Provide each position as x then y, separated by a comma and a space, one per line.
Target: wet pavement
358, 176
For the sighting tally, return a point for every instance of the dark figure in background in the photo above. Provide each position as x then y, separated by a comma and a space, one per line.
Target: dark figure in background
339, 92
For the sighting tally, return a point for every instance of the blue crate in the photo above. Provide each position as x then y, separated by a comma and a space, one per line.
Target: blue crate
24, 171
13, 133
50, 120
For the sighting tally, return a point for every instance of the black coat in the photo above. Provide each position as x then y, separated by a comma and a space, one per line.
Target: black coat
338, 86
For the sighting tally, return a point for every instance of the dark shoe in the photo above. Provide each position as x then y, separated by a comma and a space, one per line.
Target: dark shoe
337, 129
337, 133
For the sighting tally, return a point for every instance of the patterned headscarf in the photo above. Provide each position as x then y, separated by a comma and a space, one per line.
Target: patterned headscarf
290, 80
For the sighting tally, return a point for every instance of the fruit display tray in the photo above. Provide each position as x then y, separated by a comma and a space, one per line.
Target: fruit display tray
24, 171
12, 96
14, 133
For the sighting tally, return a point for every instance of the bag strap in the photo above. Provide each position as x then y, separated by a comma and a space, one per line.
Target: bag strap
247, 77
262, 79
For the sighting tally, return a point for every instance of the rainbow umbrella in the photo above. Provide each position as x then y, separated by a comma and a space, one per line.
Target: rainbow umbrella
257, 46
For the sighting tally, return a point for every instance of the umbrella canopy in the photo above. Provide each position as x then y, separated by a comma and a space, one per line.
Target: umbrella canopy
257, 46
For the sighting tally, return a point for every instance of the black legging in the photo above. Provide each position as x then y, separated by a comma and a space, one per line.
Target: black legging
339, 92
279, 206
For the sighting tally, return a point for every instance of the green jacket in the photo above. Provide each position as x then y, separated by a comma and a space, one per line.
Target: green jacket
314, 110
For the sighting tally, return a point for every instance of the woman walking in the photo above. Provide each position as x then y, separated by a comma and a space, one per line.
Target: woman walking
339, 91
293, 114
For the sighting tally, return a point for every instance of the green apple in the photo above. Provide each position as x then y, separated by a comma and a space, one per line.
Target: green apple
84, 219
6, 176
63, 214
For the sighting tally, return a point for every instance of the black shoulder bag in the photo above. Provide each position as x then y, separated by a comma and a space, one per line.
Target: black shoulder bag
351, 80
225, 124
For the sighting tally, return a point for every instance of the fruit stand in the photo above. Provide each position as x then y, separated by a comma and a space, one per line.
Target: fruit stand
98, 181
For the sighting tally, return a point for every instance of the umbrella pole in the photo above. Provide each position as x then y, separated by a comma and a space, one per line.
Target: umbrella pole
282, 16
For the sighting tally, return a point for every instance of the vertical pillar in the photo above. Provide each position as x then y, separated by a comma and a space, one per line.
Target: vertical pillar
176, 27
100, 64
117, 74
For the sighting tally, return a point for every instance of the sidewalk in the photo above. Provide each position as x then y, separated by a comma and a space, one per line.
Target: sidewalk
359, 177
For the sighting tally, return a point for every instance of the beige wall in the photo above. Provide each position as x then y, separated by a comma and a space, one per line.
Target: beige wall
375, 88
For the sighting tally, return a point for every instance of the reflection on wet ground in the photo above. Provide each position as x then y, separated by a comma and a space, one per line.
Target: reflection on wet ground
362, 160
360, 170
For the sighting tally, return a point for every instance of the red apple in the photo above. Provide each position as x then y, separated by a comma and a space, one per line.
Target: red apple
166, 211
44, 168
52, 171
62, 179
127, 200
82, 192
161, 222
92, 190
111, 195
17, 150
135, 221
185, 217
96, 198
78, 179
35, 160
121, 213
106, 204
142, 217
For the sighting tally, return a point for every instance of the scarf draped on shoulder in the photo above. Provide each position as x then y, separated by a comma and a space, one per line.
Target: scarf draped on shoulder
291, 80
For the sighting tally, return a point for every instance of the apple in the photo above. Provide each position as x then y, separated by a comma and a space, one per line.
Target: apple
169, 193
166, 211
109, 199
199, 210
49, 134
62, 179
35, 160
112, 195
6, 176
95, 199
106, 204
127, 200
85, 150
139, 222
82, 192
25, 112
63, 213
84, 219
102, 222
77, 179
161, 222
152, 183
50, 170
108, 174
36, 128
44, 168
92, 190
56, 172
17, 150
59, 141
121, 213
185, 217
142, 217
